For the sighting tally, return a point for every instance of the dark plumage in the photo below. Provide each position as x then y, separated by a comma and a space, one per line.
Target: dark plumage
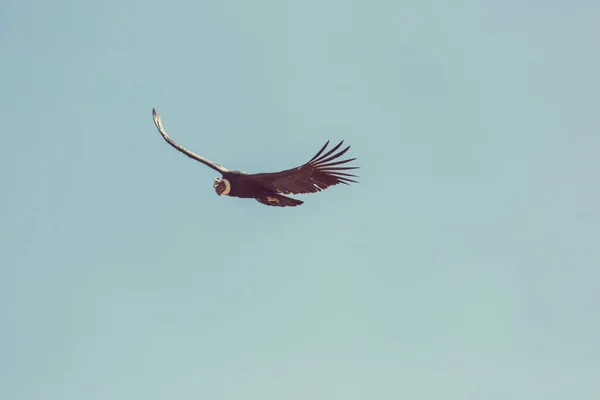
269, 188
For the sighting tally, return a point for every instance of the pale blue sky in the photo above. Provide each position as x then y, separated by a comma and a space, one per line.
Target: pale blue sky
465, 265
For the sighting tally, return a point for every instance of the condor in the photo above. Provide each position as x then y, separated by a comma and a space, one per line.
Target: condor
269, 188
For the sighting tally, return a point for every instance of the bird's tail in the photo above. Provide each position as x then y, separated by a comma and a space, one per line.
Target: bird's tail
278, 200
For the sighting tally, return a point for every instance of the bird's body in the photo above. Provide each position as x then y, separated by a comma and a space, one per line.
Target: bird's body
242, 185
269, 188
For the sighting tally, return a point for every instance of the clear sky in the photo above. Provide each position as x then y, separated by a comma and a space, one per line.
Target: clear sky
464, 265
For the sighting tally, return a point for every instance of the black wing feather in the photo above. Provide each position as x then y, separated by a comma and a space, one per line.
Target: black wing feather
317, 174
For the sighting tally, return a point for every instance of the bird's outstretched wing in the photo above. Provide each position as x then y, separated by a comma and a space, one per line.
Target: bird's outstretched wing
190, 154
317, 174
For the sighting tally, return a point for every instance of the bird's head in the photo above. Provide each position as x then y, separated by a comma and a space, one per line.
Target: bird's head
222, 186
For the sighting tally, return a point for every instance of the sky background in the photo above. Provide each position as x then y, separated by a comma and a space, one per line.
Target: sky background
464, 265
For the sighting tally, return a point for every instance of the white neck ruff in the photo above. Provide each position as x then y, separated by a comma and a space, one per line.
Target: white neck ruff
227, 187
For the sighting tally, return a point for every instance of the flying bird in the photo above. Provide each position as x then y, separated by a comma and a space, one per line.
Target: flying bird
269, 188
